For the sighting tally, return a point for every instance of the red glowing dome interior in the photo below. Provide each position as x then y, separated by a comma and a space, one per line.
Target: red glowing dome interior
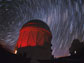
33, 36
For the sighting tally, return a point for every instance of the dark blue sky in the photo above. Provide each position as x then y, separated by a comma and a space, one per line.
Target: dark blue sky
64, 17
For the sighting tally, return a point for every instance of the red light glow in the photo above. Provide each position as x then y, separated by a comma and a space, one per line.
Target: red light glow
33, 36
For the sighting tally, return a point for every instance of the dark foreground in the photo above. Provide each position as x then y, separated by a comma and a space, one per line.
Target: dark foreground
6, 57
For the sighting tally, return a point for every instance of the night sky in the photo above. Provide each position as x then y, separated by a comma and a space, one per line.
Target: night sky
64, 17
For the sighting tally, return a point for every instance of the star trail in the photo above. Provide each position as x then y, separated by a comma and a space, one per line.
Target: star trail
64, 17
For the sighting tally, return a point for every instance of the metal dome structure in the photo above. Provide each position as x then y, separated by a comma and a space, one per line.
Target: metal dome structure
35, 40
33, 33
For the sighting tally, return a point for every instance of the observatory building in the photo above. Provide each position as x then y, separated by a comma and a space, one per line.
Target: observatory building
35, 41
